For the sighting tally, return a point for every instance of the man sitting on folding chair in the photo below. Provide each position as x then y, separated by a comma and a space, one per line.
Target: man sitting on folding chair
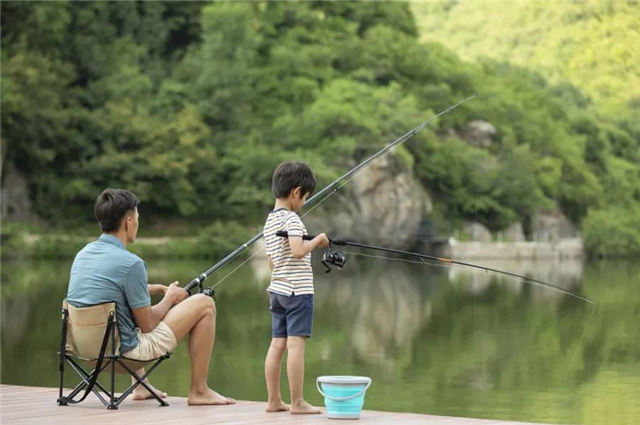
104, 271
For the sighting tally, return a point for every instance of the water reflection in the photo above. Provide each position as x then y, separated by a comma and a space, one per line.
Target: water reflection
386, 307
435, 340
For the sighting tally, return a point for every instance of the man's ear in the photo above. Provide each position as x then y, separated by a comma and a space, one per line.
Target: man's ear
127, 222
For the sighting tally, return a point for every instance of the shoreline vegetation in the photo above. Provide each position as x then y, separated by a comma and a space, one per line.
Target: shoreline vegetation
214, 243
211, 242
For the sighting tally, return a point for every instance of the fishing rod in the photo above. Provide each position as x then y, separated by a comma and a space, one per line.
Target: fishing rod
328, 191
338, 259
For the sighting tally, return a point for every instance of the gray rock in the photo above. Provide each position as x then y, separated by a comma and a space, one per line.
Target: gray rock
16, 203
479, 133
477, 232
514, 233
385, 204
552, 226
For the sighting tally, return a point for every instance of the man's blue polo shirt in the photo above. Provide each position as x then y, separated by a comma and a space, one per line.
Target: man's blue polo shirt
104, 271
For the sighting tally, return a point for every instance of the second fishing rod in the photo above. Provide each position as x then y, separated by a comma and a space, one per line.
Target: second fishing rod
338, 259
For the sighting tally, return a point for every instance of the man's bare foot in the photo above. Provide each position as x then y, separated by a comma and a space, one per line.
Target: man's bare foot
141, 393
276, 406
208, 398
304, 408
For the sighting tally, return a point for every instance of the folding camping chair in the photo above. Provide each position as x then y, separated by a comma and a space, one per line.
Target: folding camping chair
91, 334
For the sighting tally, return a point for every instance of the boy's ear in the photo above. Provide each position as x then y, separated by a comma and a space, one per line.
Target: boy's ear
297, 192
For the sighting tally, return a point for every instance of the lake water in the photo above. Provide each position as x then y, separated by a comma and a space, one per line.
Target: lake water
435, 340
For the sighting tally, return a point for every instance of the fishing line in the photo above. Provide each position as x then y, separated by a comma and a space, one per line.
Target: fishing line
259, 251
466, 269
575, 353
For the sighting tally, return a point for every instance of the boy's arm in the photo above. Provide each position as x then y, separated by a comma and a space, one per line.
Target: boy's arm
300, 247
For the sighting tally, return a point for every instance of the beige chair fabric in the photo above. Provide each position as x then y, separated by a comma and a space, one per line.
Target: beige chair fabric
85, 332
86, 327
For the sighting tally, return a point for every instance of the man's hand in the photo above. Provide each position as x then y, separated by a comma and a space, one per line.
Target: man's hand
175, 294
147, 318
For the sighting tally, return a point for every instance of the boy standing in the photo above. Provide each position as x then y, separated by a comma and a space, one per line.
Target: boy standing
291, 288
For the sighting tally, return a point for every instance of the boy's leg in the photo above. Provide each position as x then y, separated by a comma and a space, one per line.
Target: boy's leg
272, 367
196, 316
295, 372
273, 362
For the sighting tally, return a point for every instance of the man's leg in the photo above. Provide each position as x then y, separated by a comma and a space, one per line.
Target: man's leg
141, 393
295, 372
196, 316
272, 367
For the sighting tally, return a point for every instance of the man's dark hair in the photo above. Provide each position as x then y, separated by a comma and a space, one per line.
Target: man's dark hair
290, 175
111, 207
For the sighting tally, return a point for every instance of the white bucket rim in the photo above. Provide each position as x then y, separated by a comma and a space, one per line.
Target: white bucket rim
344, 380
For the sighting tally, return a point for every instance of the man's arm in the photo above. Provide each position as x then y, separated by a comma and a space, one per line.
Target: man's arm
147, 318
158, 289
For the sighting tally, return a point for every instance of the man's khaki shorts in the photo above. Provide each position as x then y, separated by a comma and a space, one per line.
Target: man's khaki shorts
154, 344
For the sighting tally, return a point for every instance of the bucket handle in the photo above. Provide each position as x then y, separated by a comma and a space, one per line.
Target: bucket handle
349, 397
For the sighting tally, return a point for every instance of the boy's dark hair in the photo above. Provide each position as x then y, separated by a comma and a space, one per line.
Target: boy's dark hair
112, 205
290, 175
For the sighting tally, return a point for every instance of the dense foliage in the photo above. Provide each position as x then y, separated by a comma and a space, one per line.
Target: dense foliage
591, 44
192, 105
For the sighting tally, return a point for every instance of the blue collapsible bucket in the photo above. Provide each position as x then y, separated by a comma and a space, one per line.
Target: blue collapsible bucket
343, 395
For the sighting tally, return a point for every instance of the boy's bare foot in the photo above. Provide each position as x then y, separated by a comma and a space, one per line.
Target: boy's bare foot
208, 398
304, 408
276, 406
141, 393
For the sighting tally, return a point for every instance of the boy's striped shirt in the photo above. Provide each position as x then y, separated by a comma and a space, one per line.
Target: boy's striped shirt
290, 276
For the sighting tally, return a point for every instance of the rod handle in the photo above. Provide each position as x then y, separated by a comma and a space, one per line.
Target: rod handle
339, 242
195, 282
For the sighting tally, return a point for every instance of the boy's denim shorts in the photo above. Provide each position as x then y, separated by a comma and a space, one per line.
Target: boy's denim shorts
291, 316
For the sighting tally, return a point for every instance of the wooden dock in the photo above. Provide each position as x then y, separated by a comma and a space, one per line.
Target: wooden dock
35, 405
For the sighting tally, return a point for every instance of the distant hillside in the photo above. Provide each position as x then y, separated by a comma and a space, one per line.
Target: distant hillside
593, 45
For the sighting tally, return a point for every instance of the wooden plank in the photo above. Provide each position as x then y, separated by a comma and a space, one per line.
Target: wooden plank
28, 405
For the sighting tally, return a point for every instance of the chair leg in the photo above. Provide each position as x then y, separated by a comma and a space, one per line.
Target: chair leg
140, 381
113, 405
86, 378
60, 402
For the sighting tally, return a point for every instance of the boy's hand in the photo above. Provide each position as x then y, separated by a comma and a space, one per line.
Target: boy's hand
175, 293
323, 240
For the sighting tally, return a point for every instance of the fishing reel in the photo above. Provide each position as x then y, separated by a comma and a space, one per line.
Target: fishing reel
197, 284
335, 258
210, 292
